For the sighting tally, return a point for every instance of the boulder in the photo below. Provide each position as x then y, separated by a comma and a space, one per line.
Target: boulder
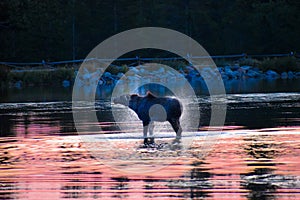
245, 67
290, 75
235, 67
107, 74
228, 70
66, 83
221, 69
284, 75
133, 78
270, 74
133, 70
253, 74
18, 84
161, 70
120, 74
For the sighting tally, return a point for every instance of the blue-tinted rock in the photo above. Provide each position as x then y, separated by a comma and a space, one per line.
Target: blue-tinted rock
270, 74
107, 74
18, 84
253, 74
229, 73
221, 69
245, 67
224, 76
290, 75
120, 74
227, 70
66, 83
284, 75
235, 67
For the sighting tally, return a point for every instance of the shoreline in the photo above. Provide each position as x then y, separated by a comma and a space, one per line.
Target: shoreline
270, 69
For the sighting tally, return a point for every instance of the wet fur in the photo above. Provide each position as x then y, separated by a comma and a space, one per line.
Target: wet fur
141, 106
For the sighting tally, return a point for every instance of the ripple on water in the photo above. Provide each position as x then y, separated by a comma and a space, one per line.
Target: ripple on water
256, 164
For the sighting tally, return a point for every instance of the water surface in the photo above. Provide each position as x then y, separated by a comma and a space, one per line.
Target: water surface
256, 156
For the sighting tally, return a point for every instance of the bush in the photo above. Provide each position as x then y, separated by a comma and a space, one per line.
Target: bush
175, 64
281, 64
249, 62
4, 71
222, 62
117, 69
42, 77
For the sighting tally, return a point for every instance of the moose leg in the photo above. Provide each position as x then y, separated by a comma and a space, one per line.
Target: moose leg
145, 131
177, 128
151, 127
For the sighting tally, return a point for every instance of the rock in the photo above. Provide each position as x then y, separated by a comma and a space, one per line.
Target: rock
75, 73
221, 69
133, 71
133, 78
224, 76
236, 74
107, 74
101, 82
86, 76
232, 75
189, 68
142, 71
161, 70
120, 74
235, 67
194, 72
228, 70
179, 76
290, 75
253, 74
206, 73
284, 75
245, 67
270, 74
18, 84
66, 83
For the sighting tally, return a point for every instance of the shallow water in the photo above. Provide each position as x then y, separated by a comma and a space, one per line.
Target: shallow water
256, 156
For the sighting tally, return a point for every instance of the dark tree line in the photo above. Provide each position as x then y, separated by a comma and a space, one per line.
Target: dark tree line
35, 30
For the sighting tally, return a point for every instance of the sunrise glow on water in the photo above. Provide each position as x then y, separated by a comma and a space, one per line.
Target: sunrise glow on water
253, 157
53, 167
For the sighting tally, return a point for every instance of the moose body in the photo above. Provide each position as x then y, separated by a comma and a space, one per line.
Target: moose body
150, 108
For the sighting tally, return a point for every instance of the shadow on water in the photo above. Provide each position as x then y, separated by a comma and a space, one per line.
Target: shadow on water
259, 180
200, 175
121, 184
73, 190
260, 190
8, 190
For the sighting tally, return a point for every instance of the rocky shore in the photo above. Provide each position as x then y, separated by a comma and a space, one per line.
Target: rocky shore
144, 74
65, 76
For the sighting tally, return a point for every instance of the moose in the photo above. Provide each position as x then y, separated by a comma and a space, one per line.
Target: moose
150, 108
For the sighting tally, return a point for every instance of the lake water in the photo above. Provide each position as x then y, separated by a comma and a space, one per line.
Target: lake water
255, 156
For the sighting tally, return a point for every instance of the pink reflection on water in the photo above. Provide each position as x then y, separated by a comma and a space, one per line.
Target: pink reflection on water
57, 167
35, 127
